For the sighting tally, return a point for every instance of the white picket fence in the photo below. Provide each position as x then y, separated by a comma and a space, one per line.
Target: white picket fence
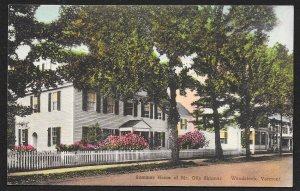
26, 161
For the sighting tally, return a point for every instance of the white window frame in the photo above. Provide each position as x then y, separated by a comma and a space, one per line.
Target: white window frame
53, 135
110, 105
159, 113
147, 112
130, 108
23, 137
224, 140
54, 100
91, 104
35, 103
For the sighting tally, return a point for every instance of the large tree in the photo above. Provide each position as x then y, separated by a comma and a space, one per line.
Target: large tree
220, 24
121, 59
23, 76
281, 85
250, 69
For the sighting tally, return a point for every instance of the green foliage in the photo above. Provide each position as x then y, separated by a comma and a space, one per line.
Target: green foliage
23, 76
94, 134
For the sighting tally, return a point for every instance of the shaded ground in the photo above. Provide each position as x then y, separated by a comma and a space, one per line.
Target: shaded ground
277, 172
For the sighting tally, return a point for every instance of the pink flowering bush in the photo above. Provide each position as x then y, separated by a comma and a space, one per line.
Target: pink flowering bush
128, 141
24, 148
77, 146
192, 140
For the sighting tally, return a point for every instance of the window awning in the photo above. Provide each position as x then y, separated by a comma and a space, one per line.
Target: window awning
135, 125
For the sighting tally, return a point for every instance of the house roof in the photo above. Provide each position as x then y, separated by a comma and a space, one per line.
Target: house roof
277, 117
130, 123
136, 124
183, 112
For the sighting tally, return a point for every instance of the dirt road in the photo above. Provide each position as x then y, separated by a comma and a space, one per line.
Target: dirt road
277, 173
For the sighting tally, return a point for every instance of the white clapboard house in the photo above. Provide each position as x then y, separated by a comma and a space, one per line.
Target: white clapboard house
62, 115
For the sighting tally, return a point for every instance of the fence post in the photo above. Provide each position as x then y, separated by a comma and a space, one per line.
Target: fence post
117, 155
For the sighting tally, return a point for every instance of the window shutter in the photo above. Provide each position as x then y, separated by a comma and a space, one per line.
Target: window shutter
39, 103
98, 102
163, 134
117, 107
84, 100
155, 112
26, 137
105, 105
142, 109
58, 131
49, 102
151, 111
31, 103
49, 137
185, 123
58, 100
163, 114
135, 109
125, 107
19, 136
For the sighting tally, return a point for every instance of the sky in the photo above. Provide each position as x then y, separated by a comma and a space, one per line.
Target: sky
282, 33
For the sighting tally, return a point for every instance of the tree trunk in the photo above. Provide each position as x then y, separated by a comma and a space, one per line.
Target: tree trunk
280, 143
246, 122
218, 146
173, 119
247, 134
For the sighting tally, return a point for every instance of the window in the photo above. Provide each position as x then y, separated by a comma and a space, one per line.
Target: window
128, 108
275, 129
54, 101
257, 138
284, 130
147, 110
23, 136
43, 67
274, 137
223, 137
159, 113
183, 123
110, 105
53, 136
263, 138
91, 101
35, 103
